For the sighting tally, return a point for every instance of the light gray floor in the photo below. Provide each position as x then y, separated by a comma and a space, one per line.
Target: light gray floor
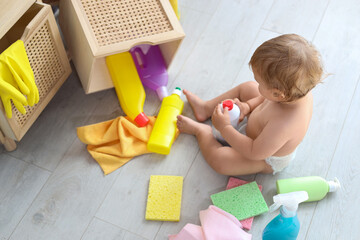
51, 188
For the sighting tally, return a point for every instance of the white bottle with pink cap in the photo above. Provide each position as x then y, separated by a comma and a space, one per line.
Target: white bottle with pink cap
234, 113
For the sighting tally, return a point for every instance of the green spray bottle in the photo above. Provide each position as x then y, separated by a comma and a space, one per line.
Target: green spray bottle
316, 187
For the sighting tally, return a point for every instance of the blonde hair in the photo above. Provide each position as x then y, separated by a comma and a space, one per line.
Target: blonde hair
288, 63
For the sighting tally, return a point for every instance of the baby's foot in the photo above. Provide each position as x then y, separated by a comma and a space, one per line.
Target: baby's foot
198, 106
189, 126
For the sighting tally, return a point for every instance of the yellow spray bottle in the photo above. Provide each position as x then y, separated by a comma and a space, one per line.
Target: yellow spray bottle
163, 133
128, 86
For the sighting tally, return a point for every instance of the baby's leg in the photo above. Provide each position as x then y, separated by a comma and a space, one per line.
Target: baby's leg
204, 109
227, 161
224, 160
189, 126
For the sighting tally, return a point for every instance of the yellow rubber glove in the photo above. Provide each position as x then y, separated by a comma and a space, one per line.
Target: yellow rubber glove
16, 59
9, 91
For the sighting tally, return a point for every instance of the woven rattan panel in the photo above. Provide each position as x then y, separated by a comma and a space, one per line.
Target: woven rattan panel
115, 21
46, 65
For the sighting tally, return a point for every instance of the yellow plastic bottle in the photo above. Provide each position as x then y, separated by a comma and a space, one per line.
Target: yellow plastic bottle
163, 133
174, 4
128, 86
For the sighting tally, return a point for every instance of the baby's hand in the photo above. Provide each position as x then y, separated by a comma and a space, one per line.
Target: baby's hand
220, 119
244, 108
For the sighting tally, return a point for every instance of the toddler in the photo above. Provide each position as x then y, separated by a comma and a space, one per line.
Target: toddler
275, 110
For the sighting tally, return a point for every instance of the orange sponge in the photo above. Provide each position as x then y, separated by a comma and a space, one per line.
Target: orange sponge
164, 198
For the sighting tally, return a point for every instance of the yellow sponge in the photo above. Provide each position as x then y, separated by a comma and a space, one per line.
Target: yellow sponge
164, 198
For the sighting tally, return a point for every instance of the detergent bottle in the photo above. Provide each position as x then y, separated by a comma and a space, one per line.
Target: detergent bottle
286, 225
174, 4
163, 133
316, 187
151, 68
129, 89
234, 113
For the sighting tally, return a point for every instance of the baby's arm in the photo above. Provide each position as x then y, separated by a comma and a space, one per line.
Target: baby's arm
270, 140
247, 107
254, 102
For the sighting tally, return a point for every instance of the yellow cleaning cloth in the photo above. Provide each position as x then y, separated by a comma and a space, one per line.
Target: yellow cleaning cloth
113, 143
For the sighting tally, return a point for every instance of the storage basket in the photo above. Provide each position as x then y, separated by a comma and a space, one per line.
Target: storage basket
95, 29
38, 30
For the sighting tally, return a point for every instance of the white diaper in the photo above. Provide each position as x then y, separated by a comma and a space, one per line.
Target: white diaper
279, 163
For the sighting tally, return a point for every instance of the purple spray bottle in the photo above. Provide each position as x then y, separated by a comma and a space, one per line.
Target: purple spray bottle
151, 68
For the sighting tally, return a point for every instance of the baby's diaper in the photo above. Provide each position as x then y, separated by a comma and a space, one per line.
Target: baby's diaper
279, 163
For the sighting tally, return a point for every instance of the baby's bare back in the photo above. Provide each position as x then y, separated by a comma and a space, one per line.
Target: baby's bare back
280, 126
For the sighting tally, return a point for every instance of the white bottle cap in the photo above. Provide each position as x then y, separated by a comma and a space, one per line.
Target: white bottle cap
334, 185
177, 91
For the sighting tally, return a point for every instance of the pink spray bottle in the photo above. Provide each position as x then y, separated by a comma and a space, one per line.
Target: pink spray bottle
151, 68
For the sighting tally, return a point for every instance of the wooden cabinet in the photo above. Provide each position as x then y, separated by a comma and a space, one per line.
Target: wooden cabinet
95, 29
34, 23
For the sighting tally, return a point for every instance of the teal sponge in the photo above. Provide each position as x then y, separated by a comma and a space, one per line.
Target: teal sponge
243, 202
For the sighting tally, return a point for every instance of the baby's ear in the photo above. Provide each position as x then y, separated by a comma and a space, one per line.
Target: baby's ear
278, 94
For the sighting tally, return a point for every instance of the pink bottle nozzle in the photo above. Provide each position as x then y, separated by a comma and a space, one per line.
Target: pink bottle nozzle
162, 92
151, 68
141, 120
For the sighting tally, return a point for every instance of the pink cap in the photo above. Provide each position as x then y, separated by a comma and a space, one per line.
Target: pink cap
228, 104
141, 120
